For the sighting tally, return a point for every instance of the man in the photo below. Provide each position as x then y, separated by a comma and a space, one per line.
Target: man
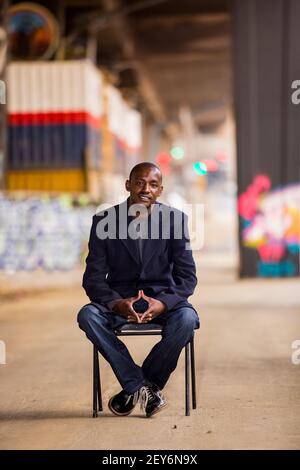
140, 270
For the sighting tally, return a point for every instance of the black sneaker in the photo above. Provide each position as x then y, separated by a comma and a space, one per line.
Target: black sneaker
123, 404
157, 390
151, 401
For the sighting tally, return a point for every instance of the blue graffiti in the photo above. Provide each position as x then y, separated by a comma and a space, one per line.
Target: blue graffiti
284, 268
293, 248
42, 233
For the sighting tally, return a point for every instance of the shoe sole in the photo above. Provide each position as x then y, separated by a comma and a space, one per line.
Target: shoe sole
157, 410
115, 412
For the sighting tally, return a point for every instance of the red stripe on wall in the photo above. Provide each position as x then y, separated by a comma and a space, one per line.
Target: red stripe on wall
80, 117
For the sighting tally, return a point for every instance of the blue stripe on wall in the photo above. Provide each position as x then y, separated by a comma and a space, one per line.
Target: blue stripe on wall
52, 146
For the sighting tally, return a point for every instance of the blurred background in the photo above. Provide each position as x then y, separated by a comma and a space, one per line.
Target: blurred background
202, 88
208, 90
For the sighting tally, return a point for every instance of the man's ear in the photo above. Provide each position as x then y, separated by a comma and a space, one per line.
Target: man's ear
161, 190
127, 185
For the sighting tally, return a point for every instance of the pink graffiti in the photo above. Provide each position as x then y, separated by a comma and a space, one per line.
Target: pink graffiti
273, 218
272, 252
249, 201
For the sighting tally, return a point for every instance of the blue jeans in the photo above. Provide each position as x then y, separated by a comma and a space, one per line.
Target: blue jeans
178, 329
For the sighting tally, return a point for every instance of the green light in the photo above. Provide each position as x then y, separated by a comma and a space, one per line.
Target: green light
177, 153
200, 168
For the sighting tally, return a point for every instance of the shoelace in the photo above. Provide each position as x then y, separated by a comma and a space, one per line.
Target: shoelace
145, 395
135, 398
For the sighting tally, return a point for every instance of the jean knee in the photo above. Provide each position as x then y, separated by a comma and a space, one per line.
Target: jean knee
86, 314
188, 319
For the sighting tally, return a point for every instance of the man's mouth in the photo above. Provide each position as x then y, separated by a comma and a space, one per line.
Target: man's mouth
144, 198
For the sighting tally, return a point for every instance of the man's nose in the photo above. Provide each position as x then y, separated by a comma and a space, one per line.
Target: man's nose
146, 188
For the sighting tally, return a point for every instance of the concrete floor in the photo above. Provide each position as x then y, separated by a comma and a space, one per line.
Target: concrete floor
248, 388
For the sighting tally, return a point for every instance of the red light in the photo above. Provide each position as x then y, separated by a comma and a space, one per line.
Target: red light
221, 156
163, 158
211, 165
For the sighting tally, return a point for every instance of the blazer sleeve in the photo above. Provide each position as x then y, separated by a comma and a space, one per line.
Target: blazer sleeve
183, 272
94, 278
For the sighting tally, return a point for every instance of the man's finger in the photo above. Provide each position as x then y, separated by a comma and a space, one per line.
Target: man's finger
131, 320
149, 310
137, 297
147, 319
133, 314
144, 296
132, 300
147, 315
132, 317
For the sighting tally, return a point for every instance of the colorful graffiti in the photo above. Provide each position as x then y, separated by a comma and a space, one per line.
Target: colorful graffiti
47, 233
271, 225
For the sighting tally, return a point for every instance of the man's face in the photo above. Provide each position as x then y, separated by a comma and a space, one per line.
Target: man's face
145, 186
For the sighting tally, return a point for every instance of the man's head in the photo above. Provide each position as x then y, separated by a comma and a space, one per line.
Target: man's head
144, 184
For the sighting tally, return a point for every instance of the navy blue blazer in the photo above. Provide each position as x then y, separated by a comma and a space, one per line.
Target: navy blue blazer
114, 269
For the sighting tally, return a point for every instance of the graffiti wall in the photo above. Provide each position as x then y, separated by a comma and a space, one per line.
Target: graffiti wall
271, 226
45, 233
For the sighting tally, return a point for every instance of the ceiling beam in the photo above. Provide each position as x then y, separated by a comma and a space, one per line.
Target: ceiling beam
206, 56
82, 3
173, 20
130, 51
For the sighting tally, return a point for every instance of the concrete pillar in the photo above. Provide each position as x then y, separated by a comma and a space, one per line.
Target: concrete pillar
266, 62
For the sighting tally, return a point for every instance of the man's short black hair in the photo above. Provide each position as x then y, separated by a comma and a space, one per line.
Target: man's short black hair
144, 164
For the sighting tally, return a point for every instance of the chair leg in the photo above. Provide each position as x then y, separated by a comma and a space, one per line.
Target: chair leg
98, 384
187, 379
194, 391
95, 382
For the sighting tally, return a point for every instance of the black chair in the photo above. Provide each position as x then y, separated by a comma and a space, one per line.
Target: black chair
139, 330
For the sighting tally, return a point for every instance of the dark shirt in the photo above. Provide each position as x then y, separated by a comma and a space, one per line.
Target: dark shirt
141, 245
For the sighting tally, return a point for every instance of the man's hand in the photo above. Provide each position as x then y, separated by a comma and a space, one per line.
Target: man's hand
125, 309
156, 308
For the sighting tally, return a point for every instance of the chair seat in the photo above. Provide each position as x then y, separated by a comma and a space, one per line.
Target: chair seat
139, 329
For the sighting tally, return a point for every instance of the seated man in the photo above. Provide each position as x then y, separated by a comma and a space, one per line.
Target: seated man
140, 270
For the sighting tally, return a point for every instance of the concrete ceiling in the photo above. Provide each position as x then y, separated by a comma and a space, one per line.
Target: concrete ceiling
165, 54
